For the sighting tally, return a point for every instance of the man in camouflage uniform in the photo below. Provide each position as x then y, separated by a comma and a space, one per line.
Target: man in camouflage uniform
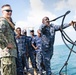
8, 52
38, 49
22, 52
33, 53
47, 31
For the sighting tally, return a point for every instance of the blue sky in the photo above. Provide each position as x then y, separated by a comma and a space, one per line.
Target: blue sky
29, 13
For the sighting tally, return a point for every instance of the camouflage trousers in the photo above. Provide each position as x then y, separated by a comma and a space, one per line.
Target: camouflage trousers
8, 66
39, 60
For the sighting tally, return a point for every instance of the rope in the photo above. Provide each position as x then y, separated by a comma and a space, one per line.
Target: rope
67, 38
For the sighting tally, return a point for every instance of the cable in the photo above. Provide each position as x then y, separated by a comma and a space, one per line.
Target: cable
66, 62
67, 38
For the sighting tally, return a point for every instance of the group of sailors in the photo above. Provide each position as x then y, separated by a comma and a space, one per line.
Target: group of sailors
29, 47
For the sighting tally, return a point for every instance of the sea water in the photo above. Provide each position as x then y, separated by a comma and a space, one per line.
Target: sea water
60, 55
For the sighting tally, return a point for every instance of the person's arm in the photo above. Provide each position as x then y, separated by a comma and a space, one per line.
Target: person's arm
42, 28
33, 41
57, 27
3, 40
26, 45
34, 46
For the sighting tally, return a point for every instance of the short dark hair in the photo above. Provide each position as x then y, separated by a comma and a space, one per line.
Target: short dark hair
5, 5
18, 28
31, 30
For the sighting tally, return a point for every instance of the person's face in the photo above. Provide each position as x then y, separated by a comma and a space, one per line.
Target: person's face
18, 31
46, 21
32, 33
7, 11
39, 34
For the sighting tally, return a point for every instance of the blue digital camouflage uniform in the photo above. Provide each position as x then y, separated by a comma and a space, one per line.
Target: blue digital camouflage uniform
48, 36
31, 51
34, 53
21, 59
37, 41
8, 56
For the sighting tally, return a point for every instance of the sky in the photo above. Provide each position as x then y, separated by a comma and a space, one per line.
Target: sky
28, 14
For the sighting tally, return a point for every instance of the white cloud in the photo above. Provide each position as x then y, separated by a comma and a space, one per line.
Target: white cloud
75, 16
21, 24
63, 4
36, 5
72, 4
36, 14
35, 17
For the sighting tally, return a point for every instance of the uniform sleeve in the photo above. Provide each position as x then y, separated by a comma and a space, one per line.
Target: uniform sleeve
33, 40
26, 42
41, 27
57, 27
3, 40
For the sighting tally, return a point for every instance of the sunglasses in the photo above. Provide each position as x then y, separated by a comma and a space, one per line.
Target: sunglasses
8, 10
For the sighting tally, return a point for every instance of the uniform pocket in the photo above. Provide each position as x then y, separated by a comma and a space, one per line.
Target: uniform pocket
6, 60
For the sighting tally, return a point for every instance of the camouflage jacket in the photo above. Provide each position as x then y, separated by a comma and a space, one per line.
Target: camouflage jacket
6, 36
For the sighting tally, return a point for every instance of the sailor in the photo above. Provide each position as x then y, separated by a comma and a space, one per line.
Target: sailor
8, 51
38, 49
47, 31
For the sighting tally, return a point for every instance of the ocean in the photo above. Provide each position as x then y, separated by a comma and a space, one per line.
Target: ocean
60, 55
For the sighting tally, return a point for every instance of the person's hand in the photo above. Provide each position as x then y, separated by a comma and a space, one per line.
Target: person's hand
36, 48
73, 23
17, 36
10, 46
